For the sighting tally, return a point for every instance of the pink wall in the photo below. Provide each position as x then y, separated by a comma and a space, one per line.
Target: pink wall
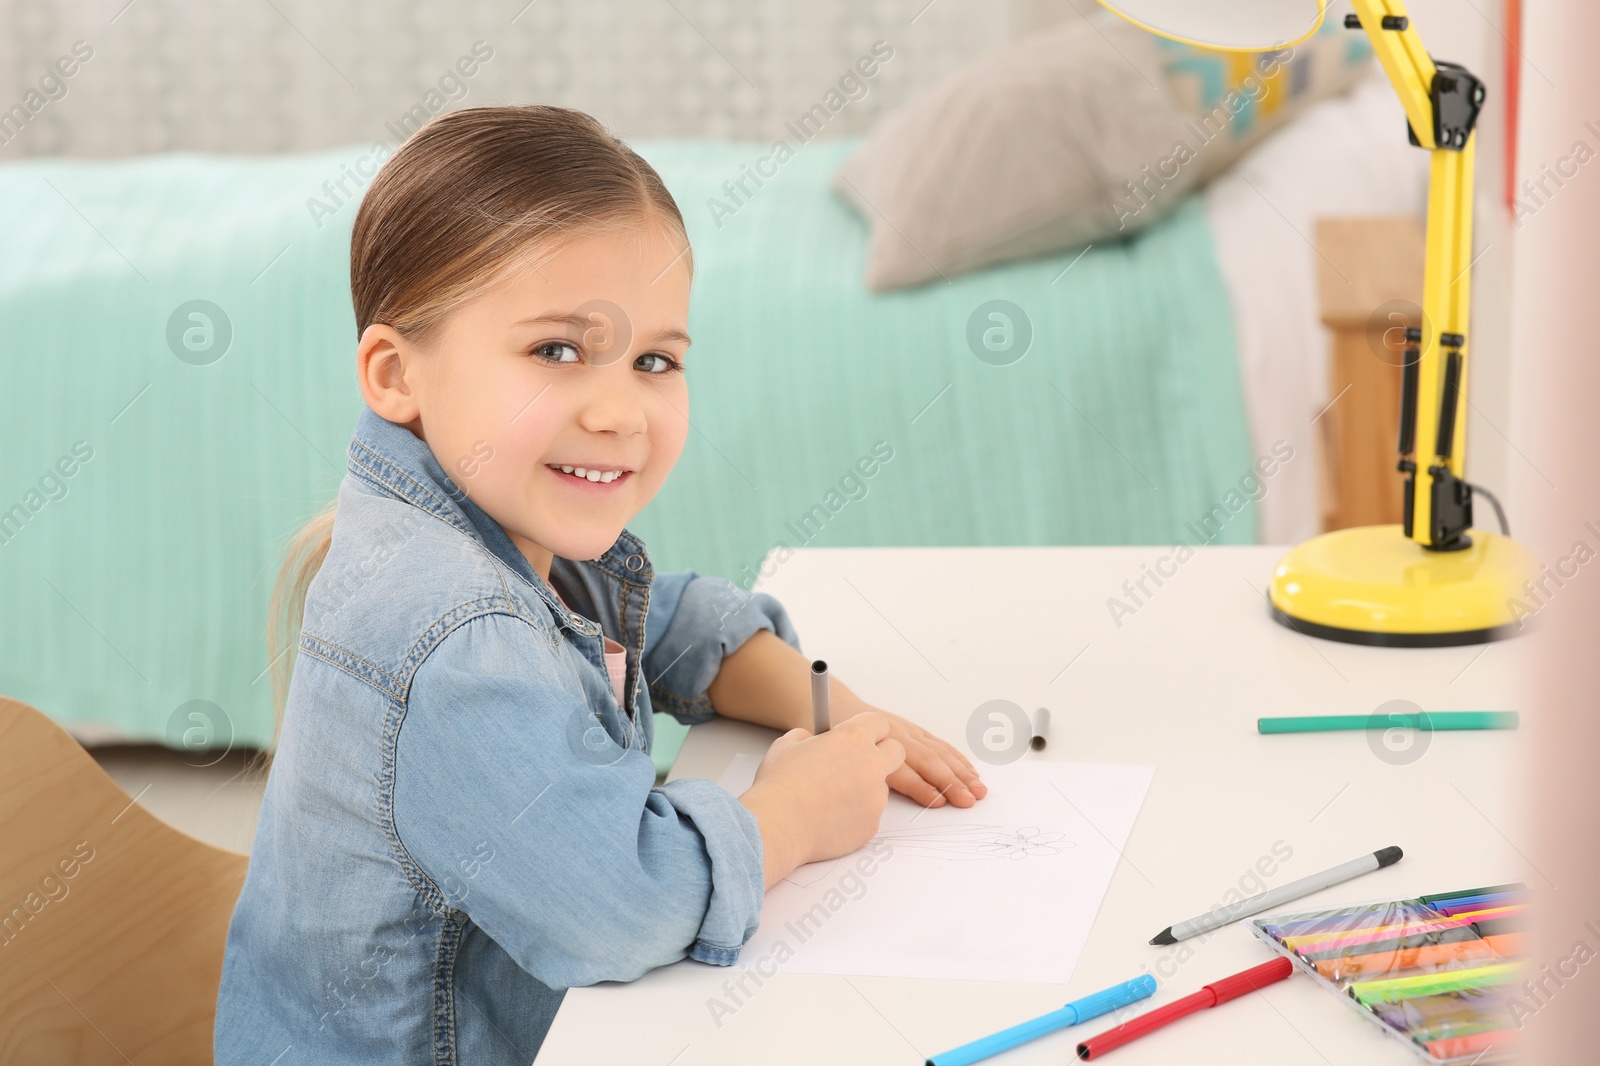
1556, 424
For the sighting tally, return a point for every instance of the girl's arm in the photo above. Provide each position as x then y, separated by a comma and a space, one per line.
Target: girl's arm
712, 647
768, 682
564, 853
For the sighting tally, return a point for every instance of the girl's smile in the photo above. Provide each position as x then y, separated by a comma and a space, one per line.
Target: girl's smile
589, 479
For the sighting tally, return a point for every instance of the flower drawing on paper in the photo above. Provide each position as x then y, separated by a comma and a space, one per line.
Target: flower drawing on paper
1026, 841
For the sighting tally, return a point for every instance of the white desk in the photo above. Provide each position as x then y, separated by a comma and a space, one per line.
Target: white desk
931, 633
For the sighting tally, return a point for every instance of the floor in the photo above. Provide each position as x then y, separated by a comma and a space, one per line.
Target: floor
216, 803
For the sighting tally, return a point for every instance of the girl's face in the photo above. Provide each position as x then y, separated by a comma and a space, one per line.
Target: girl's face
573, 363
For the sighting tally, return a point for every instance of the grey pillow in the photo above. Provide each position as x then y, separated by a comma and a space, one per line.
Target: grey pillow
1028, 151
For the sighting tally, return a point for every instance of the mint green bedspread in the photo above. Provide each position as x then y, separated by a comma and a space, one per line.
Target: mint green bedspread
139, 581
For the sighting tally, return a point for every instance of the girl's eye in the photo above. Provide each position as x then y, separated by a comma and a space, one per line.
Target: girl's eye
665, 364
551, 351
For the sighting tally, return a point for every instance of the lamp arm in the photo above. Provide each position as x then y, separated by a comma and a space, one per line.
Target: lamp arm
1441, 101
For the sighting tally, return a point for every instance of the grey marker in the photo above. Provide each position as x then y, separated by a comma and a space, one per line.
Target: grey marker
1041, 729
819, 696
1283, 894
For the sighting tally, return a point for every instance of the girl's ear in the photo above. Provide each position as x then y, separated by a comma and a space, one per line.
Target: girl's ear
381, 368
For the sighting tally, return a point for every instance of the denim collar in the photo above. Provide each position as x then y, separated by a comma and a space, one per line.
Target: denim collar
395, 462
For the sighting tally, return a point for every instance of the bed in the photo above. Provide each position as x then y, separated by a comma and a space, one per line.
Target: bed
1158, 370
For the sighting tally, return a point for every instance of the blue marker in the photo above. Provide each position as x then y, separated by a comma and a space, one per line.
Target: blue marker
1077, 1011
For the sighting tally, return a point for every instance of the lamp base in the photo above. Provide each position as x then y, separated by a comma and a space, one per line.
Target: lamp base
1374, 585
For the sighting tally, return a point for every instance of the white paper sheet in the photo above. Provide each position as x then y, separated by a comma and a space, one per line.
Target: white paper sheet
1005, 890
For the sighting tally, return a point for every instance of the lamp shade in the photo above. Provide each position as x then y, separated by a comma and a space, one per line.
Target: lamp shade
1227, 25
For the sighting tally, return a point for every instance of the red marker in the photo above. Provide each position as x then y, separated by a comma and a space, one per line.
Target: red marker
1250, 980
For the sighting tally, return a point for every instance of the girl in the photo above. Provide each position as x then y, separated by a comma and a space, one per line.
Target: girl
461, 820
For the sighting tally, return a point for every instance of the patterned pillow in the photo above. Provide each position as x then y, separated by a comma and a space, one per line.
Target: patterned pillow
1233, 99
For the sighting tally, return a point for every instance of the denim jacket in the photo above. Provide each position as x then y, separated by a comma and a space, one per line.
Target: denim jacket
461, 822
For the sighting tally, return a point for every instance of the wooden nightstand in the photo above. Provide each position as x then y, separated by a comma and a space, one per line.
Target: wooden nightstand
1369, 281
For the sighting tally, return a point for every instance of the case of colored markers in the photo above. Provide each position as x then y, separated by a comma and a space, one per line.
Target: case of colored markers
1442, 972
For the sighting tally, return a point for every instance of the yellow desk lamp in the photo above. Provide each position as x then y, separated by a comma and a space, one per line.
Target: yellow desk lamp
1429, 582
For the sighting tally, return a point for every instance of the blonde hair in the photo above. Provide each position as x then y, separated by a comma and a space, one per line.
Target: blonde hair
465, 200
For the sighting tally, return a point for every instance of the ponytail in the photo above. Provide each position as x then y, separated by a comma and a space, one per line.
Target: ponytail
302, 559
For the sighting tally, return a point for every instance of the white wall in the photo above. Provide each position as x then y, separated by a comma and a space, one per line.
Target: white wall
1457, 30
294, 75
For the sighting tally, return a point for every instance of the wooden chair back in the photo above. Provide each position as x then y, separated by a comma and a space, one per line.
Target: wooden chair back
112, 923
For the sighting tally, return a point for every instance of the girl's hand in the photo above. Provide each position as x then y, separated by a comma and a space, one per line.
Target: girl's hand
934, 773
819, 797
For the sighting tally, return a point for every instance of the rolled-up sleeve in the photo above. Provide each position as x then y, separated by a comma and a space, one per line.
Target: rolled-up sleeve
694, 623
560, 849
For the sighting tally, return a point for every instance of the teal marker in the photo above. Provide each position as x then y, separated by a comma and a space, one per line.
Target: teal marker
1323, 723
1080, 1010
